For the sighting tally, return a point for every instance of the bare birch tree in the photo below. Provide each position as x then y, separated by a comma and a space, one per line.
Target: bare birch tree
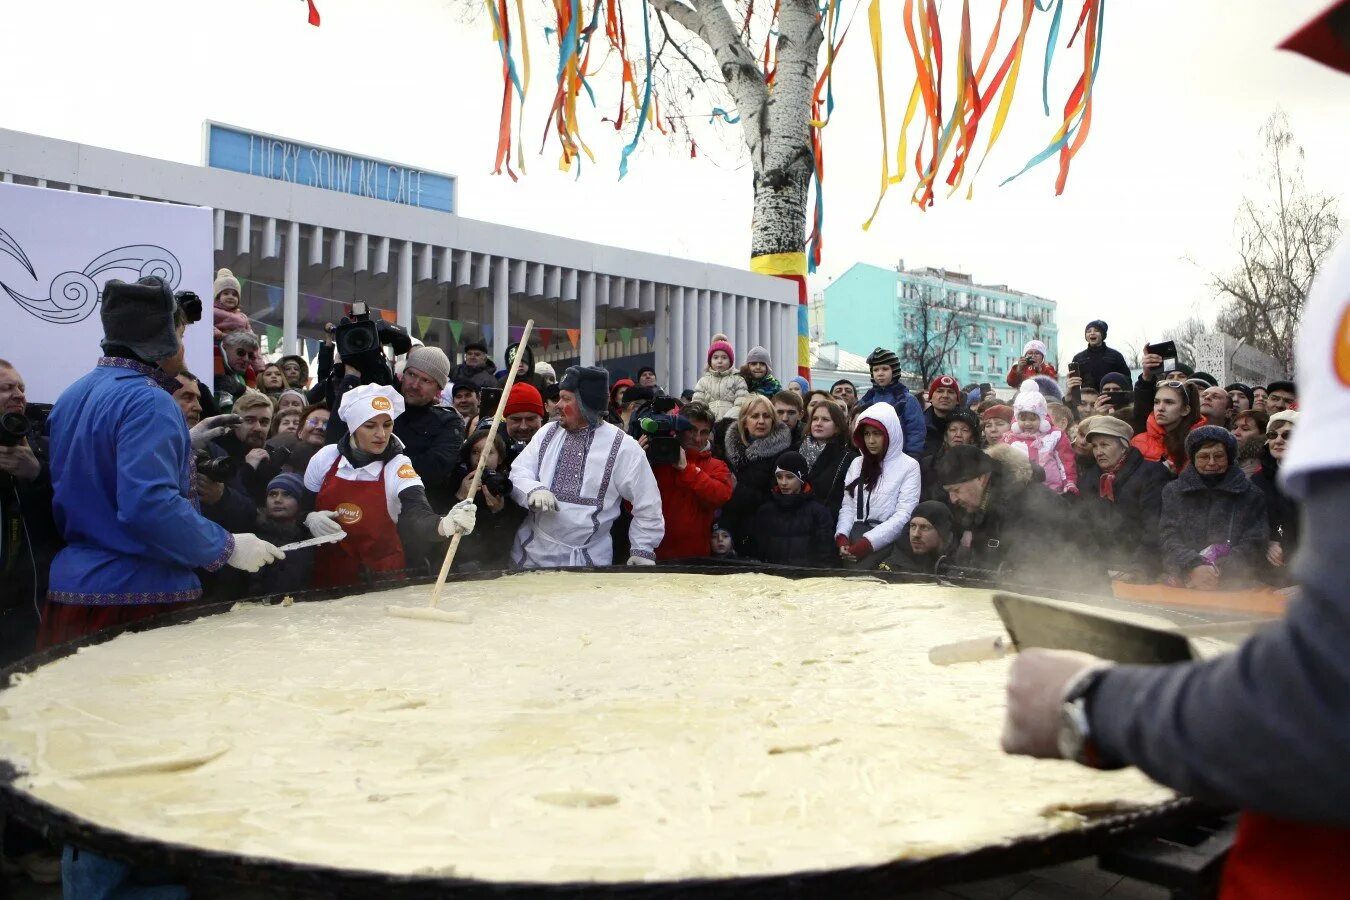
774, 124
937, 324
1283, 238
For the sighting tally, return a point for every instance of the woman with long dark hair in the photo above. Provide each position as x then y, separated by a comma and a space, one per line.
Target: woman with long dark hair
1176, 410
827, 453
753, 445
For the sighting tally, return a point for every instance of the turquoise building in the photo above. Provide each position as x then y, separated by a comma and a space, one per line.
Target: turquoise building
974, 332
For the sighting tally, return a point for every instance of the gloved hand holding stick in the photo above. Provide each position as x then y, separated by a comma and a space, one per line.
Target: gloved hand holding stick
482, 463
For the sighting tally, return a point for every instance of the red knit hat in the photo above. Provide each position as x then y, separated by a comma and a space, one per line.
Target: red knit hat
720, 342
943, 381
524, 398
1000, 411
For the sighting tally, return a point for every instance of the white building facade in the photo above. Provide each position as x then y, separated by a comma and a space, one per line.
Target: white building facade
304, 247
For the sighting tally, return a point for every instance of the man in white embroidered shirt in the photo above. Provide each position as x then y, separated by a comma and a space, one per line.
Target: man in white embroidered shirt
573, 475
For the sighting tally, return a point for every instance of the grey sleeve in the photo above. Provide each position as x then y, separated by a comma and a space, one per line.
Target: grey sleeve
1266, 728
417, 521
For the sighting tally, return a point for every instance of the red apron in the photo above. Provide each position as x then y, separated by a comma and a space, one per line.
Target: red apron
1274, 858
372, 541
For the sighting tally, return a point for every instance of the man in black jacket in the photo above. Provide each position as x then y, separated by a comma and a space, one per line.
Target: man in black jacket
1121, 500
1097, 359
477, 369
432, 432
29, 538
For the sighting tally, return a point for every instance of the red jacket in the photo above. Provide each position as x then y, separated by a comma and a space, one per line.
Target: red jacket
1151, 442
1019, 373
690, 498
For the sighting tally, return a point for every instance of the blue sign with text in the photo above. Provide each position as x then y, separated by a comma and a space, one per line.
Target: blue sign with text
282, 160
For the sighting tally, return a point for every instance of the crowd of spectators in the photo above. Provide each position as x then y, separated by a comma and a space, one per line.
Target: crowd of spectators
1169, 477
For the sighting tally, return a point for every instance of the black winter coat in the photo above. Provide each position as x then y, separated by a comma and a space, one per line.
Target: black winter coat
936, 433
1123, 535
295, 572
1022, 531
753, 467
1282, 511
794, 530
1095, 363
483, 377
826, 477
1194, 516
488, 547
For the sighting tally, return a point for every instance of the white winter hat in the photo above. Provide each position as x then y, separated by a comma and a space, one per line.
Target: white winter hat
1030, 399
225, 279
1038, 346
361, 404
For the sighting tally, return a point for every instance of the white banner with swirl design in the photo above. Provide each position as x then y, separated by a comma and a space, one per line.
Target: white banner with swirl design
57, 251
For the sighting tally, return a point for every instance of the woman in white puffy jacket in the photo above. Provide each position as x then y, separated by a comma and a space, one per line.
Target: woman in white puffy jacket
721, 386
881, 489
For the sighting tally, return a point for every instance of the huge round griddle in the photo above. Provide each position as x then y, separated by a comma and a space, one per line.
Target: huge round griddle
880, 880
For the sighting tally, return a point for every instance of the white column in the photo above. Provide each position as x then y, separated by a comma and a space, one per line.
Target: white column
675, 301
381, 266
662, 342
218, 225
586, 346
715, 325
245, 231
689, 362
739, 335
290, 298
316, 245
765, 330
337, 251
404, 301
501, 293
269, 239
775, 345
704, 319
751, 330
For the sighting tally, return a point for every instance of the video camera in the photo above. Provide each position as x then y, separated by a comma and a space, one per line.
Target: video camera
360, 341
663, 436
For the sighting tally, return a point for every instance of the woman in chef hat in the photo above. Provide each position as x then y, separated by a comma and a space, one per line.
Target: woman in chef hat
368, 488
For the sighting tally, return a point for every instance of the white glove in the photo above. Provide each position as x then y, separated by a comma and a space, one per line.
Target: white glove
323, 523
461, 518
207, 430
542, 500
640, 561
251, 553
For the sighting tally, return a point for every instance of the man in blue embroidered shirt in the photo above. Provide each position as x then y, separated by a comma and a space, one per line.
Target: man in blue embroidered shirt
122, 479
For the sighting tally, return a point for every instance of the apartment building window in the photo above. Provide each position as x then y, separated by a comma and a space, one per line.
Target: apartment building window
974, 361
993, 335
993, 362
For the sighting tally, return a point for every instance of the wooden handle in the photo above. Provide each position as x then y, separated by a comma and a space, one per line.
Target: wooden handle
482, 462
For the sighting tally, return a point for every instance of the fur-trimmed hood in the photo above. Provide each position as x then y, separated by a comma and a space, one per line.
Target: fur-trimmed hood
777, 441
1014, 465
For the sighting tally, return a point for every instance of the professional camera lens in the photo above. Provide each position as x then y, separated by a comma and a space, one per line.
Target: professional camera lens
13, 428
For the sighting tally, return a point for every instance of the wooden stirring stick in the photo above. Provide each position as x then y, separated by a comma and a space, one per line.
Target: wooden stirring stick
482, 460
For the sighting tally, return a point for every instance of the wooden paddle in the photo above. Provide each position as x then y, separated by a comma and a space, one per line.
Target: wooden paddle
482, 462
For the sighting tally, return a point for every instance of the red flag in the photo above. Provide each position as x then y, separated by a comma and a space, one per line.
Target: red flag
313, 14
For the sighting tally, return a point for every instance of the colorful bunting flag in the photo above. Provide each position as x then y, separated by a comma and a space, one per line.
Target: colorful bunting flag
487, 334
545, 336
273, 339
274, 297
423, 326
514, 332
651, 334
456, 329
574, 337
625, 334
389, 315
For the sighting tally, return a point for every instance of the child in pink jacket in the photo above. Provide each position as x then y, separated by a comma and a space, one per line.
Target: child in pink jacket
1045, 445
227, 314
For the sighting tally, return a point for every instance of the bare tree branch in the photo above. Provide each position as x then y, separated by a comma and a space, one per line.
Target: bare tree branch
1282, 242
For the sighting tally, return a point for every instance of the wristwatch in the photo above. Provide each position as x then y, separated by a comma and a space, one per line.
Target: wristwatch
1075, 728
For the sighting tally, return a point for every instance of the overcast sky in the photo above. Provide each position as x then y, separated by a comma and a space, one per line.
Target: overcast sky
1183, 91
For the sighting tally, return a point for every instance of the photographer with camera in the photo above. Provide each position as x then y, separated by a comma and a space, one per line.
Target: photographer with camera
1032, 363
488, 548
30, 538
245, 445
693, 483
356, 355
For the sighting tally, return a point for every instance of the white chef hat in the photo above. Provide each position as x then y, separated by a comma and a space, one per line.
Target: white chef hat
361, 404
